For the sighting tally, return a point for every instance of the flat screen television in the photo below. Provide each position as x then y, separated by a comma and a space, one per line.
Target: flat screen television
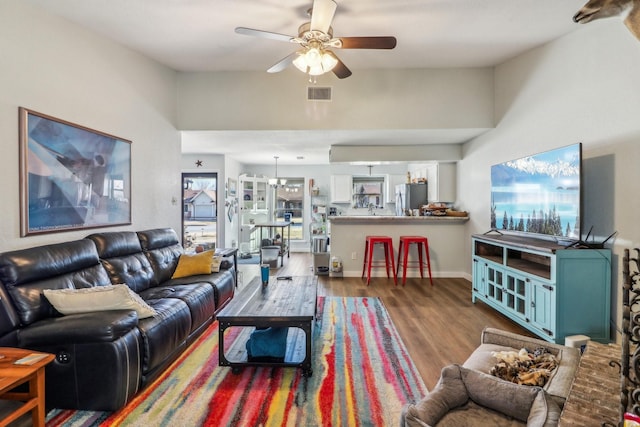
539, 194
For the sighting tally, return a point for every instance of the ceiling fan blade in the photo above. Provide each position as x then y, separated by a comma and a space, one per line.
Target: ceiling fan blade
340, 70
264, 34
367, 42
322, 15
283, 63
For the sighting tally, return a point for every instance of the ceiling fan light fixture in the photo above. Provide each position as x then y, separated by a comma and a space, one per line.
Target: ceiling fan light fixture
315, 39
300, 63
315, 61
329, 61
313, 57
316, 71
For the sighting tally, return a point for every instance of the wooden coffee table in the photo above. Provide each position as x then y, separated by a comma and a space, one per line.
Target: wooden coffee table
282, 303
13, 375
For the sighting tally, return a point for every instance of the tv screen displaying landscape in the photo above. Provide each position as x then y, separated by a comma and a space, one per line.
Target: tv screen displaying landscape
539, 194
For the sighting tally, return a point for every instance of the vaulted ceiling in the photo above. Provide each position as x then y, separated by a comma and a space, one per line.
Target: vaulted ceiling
198, 35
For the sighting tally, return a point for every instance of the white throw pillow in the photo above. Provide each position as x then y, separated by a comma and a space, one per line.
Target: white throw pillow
98, 298
215, 264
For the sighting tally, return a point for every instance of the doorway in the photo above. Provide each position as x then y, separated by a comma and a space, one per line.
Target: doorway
200, 211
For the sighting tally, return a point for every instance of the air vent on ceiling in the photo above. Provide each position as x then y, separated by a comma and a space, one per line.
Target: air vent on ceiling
315, 93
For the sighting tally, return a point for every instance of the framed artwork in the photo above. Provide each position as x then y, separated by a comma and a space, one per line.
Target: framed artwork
232, 187
71, 177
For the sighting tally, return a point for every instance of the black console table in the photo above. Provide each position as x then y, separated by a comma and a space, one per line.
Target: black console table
228, 252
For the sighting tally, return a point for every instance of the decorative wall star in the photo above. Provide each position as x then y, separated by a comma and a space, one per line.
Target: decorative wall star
199, 163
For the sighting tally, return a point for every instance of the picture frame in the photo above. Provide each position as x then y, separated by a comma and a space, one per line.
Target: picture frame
232, 187
71, 177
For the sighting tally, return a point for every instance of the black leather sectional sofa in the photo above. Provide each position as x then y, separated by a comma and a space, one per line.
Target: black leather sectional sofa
103, 358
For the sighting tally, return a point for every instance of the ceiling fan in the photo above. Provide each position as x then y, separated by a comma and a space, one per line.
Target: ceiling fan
316, 39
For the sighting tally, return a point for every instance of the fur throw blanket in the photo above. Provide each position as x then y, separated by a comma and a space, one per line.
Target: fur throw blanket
524, 367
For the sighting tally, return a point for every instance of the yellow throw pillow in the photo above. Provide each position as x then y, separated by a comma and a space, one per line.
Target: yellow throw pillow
190, 265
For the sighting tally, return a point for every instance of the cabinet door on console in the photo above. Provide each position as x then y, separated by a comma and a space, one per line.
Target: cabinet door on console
543, 307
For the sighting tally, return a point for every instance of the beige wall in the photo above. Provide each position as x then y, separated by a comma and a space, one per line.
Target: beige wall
380, 99
57, 68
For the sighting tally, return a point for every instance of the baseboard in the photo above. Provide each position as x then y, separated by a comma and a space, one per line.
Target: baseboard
435, 274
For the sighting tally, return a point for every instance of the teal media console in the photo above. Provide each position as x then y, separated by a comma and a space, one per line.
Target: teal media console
552, 290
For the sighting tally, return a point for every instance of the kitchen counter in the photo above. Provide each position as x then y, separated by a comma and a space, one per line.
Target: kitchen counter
396, 219
447, 241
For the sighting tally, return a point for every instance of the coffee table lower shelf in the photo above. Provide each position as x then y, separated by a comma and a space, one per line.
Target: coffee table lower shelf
297, 354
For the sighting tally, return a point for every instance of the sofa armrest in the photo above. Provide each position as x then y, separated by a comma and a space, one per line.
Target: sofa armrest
102, 326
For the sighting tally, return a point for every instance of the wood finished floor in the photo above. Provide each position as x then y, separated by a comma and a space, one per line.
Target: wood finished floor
439, 325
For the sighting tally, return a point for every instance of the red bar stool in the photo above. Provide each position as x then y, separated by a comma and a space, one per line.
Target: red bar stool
420, 242
388, 256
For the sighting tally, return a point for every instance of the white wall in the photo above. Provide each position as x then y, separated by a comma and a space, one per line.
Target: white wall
55, 67
584, 88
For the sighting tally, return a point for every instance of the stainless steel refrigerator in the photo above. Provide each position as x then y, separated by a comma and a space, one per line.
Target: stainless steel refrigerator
410, 196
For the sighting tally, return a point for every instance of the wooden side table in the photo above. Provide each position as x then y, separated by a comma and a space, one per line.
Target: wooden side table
12, 375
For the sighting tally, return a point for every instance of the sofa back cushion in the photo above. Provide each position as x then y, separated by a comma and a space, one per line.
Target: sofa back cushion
163, 249
121, 255
25, 273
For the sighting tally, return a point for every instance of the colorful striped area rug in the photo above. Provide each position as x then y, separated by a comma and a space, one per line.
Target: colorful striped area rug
362, 376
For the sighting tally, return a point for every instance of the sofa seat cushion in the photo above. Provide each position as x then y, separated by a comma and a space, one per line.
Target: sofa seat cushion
98, 298
105, 326
199, 297
165, 332
465, 397
223, 284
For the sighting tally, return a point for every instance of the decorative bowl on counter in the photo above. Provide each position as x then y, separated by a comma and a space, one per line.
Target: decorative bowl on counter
434, 209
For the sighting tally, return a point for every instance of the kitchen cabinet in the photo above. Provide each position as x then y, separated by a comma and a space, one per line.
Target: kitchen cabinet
442, 179
391, 180
552, 290
341, 188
